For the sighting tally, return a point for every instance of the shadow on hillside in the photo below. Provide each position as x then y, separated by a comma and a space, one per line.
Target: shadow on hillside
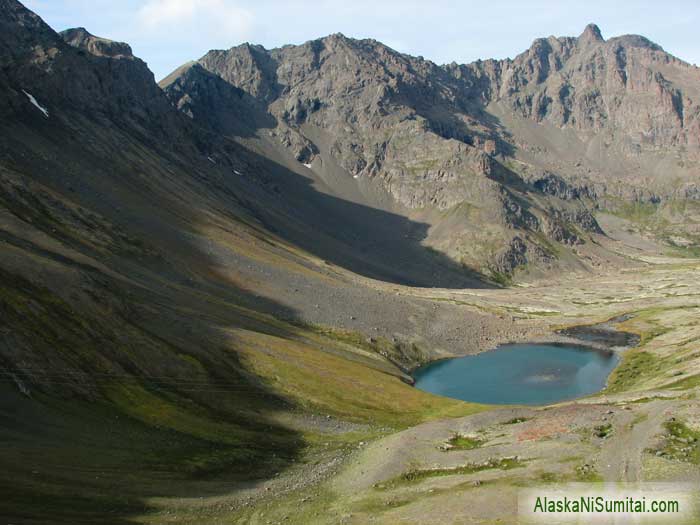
139, 379
147, 398
368, 241
137, 390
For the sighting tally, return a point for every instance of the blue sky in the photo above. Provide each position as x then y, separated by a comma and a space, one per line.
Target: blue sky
167, 33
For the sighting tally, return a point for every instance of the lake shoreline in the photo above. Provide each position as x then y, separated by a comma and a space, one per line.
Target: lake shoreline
603, 339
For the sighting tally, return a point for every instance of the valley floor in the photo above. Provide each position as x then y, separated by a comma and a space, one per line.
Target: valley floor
644, 427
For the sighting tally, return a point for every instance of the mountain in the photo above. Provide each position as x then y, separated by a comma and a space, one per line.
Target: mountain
499, 158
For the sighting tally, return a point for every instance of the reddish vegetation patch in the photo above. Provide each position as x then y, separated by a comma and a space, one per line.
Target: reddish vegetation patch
548, 425
540, 431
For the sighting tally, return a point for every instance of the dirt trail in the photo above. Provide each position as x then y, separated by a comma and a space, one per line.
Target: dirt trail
417, 447
621, 456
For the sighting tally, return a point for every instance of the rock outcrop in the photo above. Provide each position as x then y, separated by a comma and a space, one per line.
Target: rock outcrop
101, 47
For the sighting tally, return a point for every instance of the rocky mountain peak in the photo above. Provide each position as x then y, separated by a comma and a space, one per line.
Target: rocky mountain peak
427, 137
247, 66
337, 37
80, 38
591, 35
183, 70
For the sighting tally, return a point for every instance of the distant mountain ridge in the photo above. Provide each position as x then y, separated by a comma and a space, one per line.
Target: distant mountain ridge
530, 145
626, 86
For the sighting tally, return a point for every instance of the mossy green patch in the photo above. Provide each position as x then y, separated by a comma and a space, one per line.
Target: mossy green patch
550, 477
686, 383
682, 443
326, 383
462, 442
638, 212
639, 418
635, 366
569, 459
501, 278
603, 431
414, 476
587, 473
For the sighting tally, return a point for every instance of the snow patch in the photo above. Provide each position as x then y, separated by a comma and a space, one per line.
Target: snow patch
355, 176
36, 104
237, 172
307, 165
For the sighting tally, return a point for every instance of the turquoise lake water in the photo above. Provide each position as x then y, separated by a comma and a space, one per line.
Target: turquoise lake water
520, 374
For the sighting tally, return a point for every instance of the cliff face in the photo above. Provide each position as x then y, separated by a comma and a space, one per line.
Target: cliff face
420, 134
621, 114
625, 86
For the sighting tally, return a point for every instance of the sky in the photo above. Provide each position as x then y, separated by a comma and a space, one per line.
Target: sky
168, 33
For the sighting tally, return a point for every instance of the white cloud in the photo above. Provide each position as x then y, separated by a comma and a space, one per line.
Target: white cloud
157, 12
207, 19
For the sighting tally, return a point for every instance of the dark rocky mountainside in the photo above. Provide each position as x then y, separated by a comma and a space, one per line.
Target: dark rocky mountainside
36, 60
